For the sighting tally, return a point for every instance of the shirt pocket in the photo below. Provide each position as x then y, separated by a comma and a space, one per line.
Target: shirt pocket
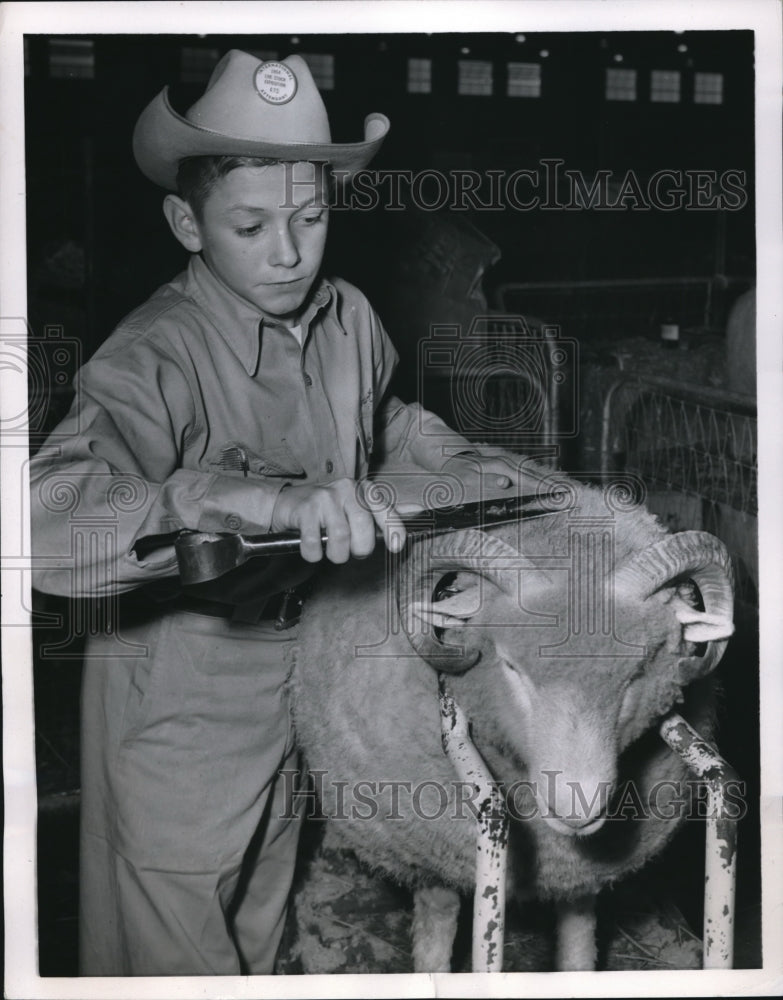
237, 459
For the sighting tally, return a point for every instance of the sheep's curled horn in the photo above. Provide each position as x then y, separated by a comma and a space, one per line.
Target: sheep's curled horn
696, 556
425, 565
688, 555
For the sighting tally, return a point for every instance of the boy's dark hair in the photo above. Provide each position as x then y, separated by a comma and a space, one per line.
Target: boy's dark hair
197, 175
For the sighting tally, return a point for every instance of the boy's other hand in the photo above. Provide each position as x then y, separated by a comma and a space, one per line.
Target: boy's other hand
479, 473
339, 509
493, 472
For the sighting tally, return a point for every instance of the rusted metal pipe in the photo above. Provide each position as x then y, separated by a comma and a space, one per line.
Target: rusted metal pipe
489, 901
720, 861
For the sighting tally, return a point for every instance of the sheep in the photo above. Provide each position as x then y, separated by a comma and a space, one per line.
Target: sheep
565, 639
741, 344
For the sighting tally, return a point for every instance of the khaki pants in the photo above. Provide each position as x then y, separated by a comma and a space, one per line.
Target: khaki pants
187, 843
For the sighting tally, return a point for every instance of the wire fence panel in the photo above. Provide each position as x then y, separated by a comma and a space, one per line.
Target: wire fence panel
696, 451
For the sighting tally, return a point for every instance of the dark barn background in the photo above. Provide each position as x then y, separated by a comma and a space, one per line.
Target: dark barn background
98, 246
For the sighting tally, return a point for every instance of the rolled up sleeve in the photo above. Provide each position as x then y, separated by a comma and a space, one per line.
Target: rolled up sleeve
405, 433
108, 495
409, 434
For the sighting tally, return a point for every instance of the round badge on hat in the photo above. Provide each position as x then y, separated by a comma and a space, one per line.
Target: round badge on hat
249, 108
275, 82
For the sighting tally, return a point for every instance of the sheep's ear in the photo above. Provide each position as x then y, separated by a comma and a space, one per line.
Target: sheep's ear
451, 612
699, 626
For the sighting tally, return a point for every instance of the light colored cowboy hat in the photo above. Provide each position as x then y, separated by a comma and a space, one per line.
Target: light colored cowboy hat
250, 108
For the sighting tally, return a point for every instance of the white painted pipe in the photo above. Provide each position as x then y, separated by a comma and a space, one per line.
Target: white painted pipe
492, 837
489, 900
720, 860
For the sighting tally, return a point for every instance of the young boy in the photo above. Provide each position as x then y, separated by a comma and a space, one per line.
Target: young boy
247, 395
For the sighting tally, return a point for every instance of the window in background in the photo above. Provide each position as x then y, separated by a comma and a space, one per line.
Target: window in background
322, 67
196, 65
665, 86
524, 79
420, 76
474, 77
71, 58
621, 84
708, 88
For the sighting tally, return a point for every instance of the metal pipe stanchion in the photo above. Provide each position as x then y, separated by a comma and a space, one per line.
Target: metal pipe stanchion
489, 901
720, 862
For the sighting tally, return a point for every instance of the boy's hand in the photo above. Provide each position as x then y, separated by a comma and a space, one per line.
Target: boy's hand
339, 509
488, 472
492, 472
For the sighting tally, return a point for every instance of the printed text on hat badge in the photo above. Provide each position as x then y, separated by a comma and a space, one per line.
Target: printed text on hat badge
275, 82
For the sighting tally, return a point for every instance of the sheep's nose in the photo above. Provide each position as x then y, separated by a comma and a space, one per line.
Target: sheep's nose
572, 826
577, 807
584, 824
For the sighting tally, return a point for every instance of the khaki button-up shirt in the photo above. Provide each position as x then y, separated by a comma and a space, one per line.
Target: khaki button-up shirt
195, 413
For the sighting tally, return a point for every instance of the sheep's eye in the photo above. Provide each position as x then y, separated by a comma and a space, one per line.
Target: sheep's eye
446, 587
687, 591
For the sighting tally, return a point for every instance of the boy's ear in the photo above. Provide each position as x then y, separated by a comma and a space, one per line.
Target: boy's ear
183, 223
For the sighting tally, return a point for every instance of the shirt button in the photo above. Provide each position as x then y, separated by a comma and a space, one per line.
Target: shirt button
308, 381
233, 522
329, 465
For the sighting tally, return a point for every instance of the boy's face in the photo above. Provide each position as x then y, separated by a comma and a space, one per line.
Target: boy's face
263, 232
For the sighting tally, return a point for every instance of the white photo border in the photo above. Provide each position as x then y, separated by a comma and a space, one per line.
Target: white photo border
331, 16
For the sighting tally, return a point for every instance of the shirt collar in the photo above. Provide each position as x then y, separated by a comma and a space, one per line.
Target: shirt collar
237, 320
